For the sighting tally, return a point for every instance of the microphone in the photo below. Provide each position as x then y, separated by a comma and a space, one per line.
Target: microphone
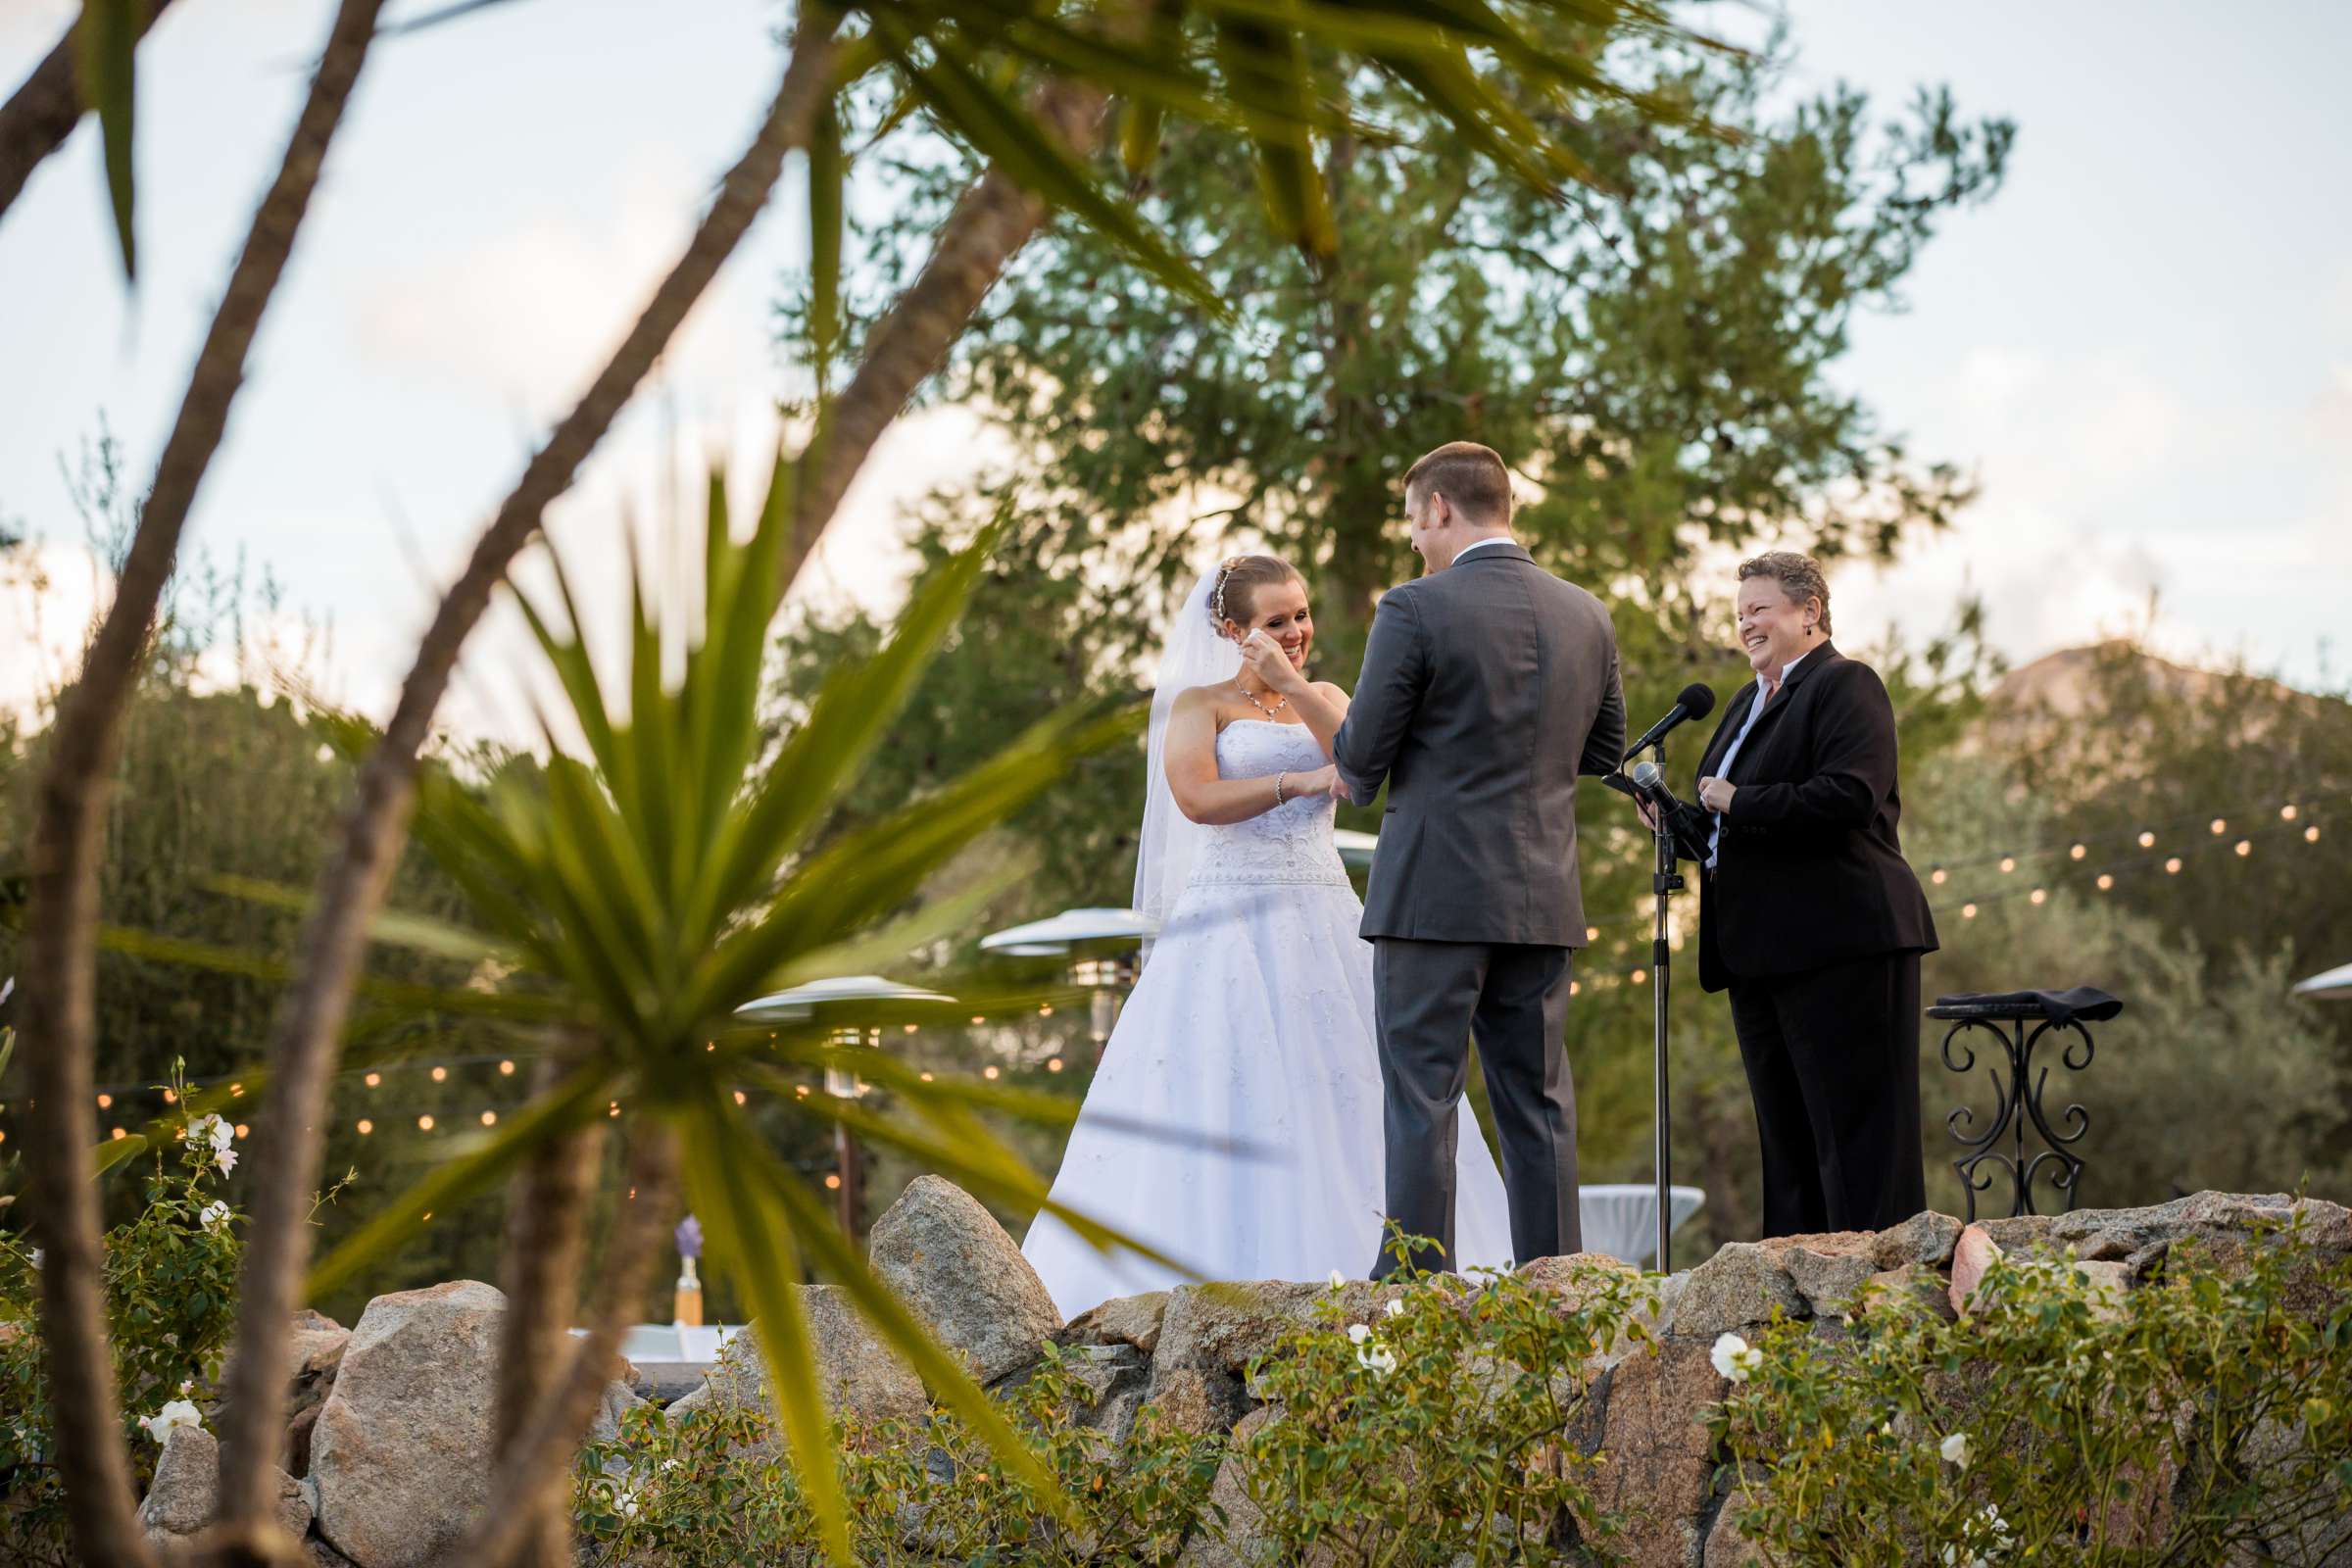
1698, 701
1649, 784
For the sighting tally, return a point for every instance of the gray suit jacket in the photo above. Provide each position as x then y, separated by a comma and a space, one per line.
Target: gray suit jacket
1487, 688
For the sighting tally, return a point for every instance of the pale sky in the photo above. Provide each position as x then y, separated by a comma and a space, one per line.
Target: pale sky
2142, 346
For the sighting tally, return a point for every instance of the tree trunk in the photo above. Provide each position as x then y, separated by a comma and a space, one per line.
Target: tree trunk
537, 1462
987, 228
60, 1019
547, 1231
308, 1035
42, 112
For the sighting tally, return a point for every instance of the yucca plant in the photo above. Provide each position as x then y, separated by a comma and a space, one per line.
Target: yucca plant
638, 895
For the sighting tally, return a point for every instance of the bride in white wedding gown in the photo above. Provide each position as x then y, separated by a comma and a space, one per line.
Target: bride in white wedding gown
1235, 1121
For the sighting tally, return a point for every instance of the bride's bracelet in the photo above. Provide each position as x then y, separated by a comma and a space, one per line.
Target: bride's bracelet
1278, 778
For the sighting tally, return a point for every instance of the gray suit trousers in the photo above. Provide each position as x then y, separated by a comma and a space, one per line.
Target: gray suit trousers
1430, 998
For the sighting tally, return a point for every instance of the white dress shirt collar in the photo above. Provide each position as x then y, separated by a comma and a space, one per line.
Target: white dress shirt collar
1500, 539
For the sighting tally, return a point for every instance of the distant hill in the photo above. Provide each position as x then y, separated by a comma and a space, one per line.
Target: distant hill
2063, 687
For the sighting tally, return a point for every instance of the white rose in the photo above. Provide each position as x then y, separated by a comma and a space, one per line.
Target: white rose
179, 1413
227, 1161
1395, 1309
1338, 1279
1357, 1332
205, 1130
1735, 1358
1378, 1360
214, 1217
1954, 1450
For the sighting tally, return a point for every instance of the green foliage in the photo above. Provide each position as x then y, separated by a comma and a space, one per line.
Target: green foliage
1438, 1432
170, 1281
706, 1487
2203, 1417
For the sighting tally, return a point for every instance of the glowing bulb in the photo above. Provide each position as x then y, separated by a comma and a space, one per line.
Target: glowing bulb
1640, 975
1045, 1010
2038, 895
801, 1090
2245, 847
926, 1077
2221, 825
832, 1182
2287, 814
366, 1126
1968, 912
977, 1019
741, 1098
2105, 881
506, 1069
244, 1131
120, 1135
106, 1102
2008, 864
440, 1075
236, 1090
1052, 1065
910, 1028
1575, 987
374, 1079
2077, 852
2147, 840
989, 1072
425, 1124
171, 1097
2172, 867
2310, 834
612, 1109
1936, 876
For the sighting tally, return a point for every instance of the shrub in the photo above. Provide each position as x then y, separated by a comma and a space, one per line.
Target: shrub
709, 1487
1438, 1432
2205, 1416
170, 1281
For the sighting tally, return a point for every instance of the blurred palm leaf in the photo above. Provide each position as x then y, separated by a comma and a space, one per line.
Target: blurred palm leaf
106, 41
645, 892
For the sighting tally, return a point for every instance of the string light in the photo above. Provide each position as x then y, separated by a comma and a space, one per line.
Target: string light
1641, 976
832, 1181
1592, 933
1052, 1065
2077, 852
120, 1135
489, 1118
1045, 1009
2310, 834
989, 1072
2286, 812
612, 1109
2038, 895
2245, 847
978, 1019
2105, 881
1968, 912
926, 1077
2008, 864
506, 1069
801, 1090
366, 1126
1936, 876
2147, 840
244, 1131
171, 1097
425, 1124
2221, 825
440, 1075
236, 1090
2172, 867
106, 1102
1575, 986
910, 1028
373, 1078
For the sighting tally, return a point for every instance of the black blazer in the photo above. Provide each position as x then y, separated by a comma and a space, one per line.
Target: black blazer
1810, 871
1486, 689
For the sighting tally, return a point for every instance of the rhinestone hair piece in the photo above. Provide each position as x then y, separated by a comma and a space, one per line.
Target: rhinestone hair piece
1216, 597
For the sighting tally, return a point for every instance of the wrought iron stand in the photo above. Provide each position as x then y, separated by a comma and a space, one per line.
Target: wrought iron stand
2017, 1099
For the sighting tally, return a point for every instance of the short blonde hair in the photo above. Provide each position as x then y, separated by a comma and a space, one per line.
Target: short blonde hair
1799, 578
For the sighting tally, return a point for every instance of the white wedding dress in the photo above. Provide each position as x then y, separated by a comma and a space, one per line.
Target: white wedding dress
1235, 1122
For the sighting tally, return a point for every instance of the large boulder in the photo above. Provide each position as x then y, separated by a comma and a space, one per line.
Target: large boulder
1744, 1284
953, 1264
186, 1492
1122, 1320
401, 1452
1658, 1464
1209, 1334
860, 1379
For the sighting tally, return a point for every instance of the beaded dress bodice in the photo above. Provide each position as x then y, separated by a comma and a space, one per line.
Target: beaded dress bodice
1291, 843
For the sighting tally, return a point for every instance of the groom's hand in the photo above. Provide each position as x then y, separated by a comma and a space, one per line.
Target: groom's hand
1265, 659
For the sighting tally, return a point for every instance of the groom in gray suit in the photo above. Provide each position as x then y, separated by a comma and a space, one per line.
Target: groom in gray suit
1488, 686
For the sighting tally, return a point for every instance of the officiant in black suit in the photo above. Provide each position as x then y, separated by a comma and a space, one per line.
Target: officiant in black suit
1810, 917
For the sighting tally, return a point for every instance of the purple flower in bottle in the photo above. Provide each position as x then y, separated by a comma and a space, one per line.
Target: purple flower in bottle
689, 1236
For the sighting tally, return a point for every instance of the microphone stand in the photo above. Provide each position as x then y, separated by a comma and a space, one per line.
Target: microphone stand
1666, 880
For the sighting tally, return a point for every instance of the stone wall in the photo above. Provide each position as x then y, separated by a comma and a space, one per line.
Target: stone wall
388, 1452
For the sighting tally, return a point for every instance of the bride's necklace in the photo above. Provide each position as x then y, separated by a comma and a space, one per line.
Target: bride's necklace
1251, 697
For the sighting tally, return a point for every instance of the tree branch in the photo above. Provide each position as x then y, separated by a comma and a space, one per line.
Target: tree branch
307, 1039
43, 110
60, 1021
537, 1458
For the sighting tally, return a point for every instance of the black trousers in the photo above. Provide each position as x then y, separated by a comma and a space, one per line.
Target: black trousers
1833, 1064
1430, 998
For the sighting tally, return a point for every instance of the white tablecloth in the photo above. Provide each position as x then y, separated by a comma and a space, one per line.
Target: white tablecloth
1621, 1219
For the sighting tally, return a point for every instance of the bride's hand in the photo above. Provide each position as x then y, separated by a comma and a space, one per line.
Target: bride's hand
1263, 657
1324, 780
